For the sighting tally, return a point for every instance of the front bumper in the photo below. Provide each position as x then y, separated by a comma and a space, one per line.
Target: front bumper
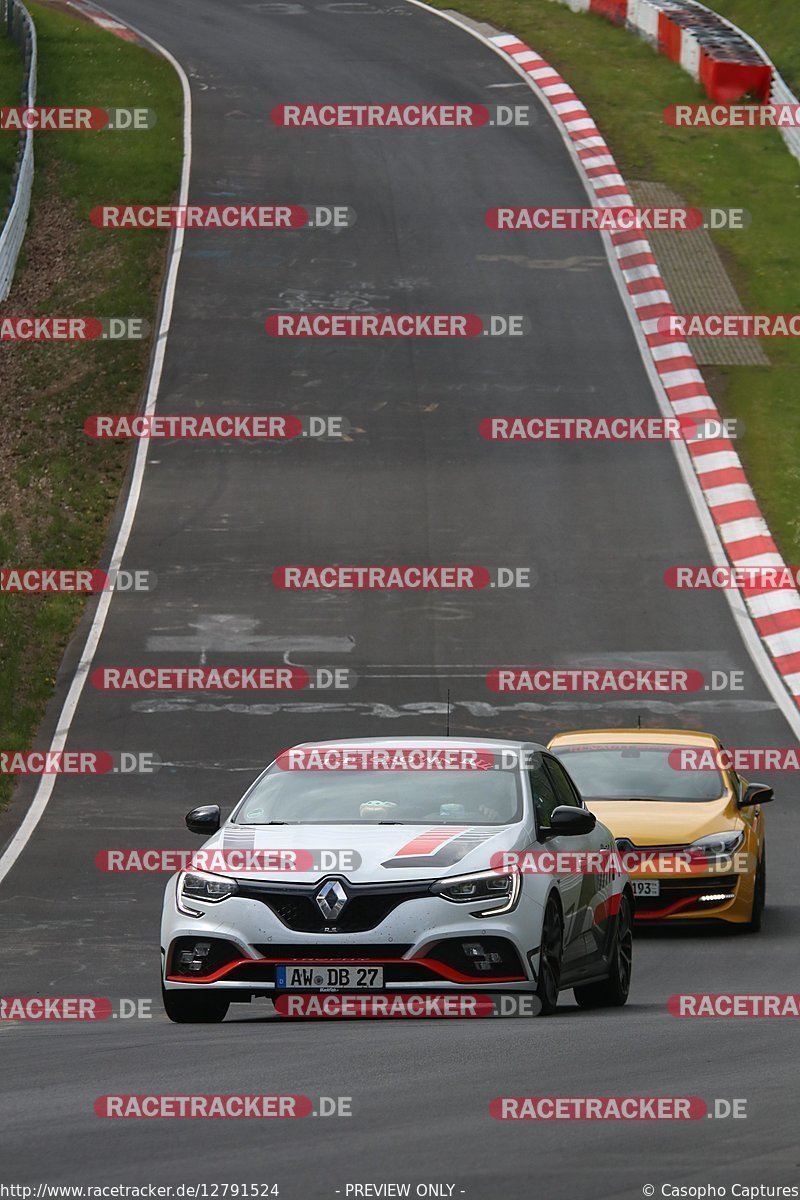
419, 944
696, 898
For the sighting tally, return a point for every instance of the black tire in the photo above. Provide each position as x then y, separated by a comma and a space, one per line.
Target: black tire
613, 991
194, 1008
552, 949
759, 896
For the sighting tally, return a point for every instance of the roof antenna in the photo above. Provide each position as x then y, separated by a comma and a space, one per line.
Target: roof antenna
447, 734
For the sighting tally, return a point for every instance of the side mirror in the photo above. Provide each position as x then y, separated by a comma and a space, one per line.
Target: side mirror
566, 821
757, 793
205, 820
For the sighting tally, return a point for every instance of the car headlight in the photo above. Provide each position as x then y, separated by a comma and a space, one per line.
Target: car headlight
204, 888
718, 845
485, 887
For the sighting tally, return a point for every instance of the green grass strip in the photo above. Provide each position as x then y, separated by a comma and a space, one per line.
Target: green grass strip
58, 488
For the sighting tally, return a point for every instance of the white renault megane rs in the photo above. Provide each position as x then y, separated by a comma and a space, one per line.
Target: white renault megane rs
409, 866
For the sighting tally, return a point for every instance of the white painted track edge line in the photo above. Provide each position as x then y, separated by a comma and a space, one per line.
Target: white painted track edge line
753, 642
47, 783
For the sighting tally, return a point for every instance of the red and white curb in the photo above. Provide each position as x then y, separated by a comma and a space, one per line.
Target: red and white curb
740, 524
110, 24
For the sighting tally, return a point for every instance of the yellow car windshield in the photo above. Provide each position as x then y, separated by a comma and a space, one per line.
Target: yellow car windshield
618, 771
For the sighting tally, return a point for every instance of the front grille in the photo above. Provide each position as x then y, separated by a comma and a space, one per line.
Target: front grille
685, 894
302, 914
318, 951
367, 905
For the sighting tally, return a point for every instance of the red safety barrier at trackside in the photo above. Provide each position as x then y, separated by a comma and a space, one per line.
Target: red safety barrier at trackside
612, 10
728, 80
729, 67
670, 36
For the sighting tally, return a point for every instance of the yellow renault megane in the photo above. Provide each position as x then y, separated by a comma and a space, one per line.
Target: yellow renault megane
692, 839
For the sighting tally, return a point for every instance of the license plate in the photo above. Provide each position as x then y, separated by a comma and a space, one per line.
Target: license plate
322, 976
646, 887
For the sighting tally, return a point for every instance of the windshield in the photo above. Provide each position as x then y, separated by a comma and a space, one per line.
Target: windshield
636, 772
369, 797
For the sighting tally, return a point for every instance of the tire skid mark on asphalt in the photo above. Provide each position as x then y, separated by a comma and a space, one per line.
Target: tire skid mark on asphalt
476, 708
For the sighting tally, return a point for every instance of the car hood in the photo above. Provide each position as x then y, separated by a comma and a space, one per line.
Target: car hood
361, 853
664, 822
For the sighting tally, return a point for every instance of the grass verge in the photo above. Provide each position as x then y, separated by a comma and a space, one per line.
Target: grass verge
775, 25
626, 85
58, 489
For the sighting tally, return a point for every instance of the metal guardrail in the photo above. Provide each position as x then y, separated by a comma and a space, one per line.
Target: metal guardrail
20, 26
783, 94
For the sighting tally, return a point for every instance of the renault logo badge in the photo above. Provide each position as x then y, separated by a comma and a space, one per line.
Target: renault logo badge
331, 899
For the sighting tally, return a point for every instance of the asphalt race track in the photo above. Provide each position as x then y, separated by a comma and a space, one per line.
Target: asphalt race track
597, 523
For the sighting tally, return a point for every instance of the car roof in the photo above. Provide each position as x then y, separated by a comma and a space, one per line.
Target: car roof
667, 737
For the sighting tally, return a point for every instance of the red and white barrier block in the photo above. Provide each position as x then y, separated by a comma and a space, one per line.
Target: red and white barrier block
727, 64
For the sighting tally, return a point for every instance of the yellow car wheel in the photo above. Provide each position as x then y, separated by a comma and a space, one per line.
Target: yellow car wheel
759, 895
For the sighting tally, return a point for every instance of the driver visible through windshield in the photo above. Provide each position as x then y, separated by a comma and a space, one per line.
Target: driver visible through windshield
368, 797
